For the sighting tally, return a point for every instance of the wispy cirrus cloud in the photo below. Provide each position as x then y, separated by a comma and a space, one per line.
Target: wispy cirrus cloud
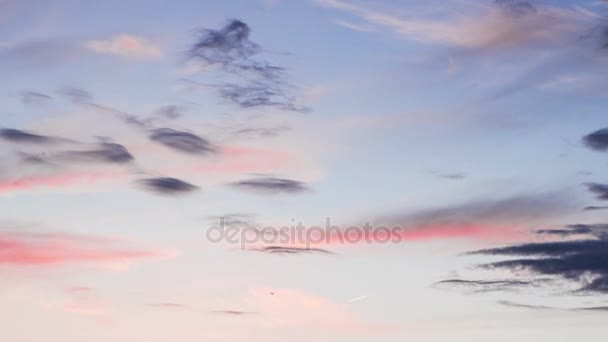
501, 25
256, 83
126, 46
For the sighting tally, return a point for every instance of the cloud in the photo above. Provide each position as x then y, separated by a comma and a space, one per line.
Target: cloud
255, 94
232, 312
170, 112
271, 185
601, 190
592, 207
283, 250
23, 137
578, 229
483, 286
582, 262
233, 219
182, 141
261, 132
598, 140
231, 51
54, 181
543, 307
47, 249
453, 176
105, 152
126, 46
35, 98
505, 24
77, 95
484, 217
167, 186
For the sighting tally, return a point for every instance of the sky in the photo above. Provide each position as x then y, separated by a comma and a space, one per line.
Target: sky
328, 170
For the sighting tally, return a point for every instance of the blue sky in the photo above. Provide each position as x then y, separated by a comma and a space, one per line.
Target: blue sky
474, 130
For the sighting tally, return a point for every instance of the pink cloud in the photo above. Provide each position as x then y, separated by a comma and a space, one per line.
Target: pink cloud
127, 46
45, 249
55, 181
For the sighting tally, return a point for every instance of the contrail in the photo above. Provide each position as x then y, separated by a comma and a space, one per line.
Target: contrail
355, 299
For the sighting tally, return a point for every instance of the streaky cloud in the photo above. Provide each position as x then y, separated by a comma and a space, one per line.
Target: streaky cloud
600, 190
23, 137
35, 98
104, 152
285, 250
271, 185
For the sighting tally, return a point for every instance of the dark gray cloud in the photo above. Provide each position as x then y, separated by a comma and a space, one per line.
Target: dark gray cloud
581, 261
105, 152
576, 229
598, 140
167, 186
182, 141
35, 98
258, 82
525, 306
23, 137
543, 307
271, 185
593, 207
282, 250
482, 286
575, 267
231, 49
600, 190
